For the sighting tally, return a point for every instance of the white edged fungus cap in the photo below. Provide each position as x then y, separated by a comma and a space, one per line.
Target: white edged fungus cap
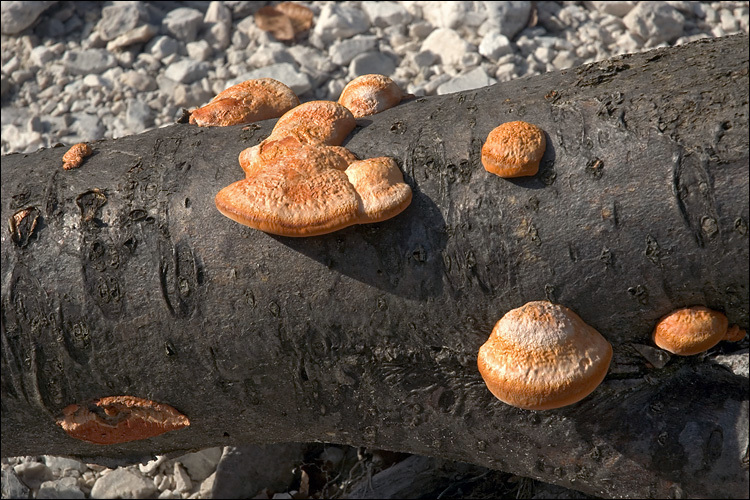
542, 356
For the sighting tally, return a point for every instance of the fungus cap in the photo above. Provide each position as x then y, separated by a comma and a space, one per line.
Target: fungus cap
73, 158
120, 419
542, 356
370, 94
381, 188
247, 102
315, 122
288, 148
294, 188
691, 330
514, 149
735, 334
300, 195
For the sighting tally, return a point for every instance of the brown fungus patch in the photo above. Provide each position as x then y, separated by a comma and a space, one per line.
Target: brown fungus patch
120, 419
313, 122
73, 158
380, 187
300, 181
290, 148
291, 198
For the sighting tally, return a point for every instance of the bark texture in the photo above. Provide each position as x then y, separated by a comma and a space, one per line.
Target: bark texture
122, 278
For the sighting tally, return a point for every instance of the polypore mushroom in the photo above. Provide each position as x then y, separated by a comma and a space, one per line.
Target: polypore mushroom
119, 419
246, 102
293, 188
301, 182
695, 329
370, 94
293, 197
270, 150
381, 188
73, 158
514, 149
313, 122
542, 356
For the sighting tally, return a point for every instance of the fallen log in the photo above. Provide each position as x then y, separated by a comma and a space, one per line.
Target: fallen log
121, 278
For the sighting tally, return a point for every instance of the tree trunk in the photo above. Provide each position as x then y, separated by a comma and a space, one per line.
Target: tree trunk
130, 282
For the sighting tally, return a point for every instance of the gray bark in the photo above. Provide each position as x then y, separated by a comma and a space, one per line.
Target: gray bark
132, 283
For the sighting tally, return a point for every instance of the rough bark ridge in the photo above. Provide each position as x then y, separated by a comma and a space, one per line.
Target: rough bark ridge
130, 282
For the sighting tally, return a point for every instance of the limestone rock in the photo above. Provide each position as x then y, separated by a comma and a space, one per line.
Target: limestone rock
17, 16
337, 21
474, 79
122, 483
120, 18
655, 21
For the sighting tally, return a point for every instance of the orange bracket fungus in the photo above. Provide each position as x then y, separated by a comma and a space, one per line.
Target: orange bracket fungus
246, 102
73, 158
310, 190
514, 149
316, 122
370, 94
300, 181
252, 159
694, 329
380, 187
542, 356
119, 419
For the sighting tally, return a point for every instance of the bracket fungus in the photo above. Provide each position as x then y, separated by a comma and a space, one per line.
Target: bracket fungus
371, 94
73, 158
324, 122
311, 189
300, 181
271, 150
246, 102
119, 419
542, 356
692, 330
380, 187
514, 149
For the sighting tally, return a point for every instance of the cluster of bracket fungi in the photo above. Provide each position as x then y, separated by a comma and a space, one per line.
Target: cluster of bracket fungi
301, 181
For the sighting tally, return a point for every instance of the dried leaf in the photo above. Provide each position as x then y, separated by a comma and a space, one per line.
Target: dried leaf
268, 18
301, 16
